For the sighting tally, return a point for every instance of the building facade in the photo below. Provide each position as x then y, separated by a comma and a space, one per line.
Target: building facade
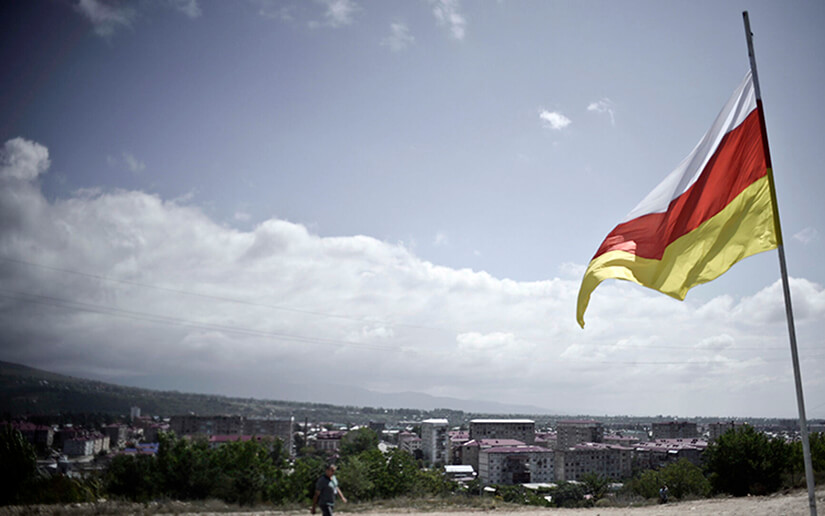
606, 460
206, 425
661, 452
328, 440
409, 442
235, 425
435, 441
510, 465
715, 430
523, 430
458, 438
675, 430
471, 450
572, 432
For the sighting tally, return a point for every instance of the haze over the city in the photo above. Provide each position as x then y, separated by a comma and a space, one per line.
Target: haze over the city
292, 199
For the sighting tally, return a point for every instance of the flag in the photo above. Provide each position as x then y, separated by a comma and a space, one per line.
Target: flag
715, 209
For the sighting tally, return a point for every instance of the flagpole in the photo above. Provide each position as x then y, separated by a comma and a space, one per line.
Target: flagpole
800, 401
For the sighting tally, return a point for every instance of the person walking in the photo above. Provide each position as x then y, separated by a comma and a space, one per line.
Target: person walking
663, 494
326, 487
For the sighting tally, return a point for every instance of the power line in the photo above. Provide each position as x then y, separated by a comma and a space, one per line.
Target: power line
163, 319
176, 321
225, 299
707, 362
54, 301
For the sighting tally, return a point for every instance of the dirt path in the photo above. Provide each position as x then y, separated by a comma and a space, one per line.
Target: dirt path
795, 503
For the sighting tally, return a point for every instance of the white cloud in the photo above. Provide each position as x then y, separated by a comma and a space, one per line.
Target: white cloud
441, 239
807, 235
604, 106
188, 7
132, 163
338, 13
23, 159
716, 343
107, 16
127, 160
554, 120
252, 311
447, 13
276, 9
399, 38
242, 216
572, 270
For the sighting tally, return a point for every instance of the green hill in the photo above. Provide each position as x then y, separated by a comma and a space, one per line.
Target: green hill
27, 391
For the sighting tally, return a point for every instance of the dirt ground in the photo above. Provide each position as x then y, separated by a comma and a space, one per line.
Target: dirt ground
795, 503
791, 504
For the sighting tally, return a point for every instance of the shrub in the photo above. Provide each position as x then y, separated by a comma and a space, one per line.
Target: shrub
743, 461
18, 465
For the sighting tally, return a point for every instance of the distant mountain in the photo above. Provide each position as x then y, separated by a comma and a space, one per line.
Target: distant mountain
26, 391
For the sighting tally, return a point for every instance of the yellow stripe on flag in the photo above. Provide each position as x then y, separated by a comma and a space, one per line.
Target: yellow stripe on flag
743, 228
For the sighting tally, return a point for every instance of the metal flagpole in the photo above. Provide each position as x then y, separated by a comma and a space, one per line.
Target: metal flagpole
800, 401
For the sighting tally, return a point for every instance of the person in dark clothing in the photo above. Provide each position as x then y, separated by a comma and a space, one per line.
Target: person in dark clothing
663, 492
326, 487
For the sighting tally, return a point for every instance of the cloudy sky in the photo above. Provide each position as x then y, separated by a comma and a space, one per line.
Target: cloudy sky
259, 198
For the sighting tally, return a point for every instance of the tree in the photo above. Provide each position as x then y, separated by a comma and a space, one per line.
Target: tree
684, 478
646, 483
357, 441
816, 441
133, 477
18, 465
301, 483
595, 484
185, 471
246, 471
403, 473
355, 478
568, 495
743, 461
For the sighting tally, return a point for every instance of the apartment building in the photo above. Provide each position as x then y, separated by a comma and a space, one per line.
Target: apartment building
523, 430
471, 450
235, 425
88, 444
435, 441
606, 460
509, 465
572, 432
79, 447
206, 425
661, 452
675, 430
715, 430
409, 442
458, 438
546, 439
328, 440
41, 436
622, 440
117, 434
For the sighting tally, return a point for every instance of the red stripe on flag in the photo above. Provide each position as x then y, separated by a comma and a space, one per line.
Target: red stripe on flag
739, 160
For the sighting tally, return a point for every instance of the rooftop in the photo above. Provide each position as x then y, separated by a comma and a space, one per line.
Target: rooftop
489, 443
517, 449
522, 421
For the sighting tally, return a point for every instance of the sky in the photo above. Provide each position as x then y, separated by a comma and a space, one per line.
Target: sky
288, 199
